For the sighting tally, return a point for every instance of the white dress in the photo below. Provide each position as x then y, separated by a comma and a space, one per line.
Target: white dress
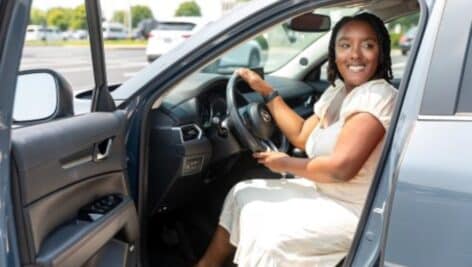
297, 222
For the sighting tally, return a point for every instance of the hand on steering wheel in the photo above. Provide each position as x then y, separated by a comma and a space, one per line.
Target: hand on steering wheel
252, 123
254, 81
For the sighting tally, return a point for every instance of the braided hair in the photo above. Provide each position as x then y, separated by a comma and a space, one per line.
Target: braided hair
384, 69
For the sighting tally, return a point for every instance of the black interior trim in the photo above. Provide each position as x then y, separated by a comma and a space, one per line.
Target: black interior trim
101, 98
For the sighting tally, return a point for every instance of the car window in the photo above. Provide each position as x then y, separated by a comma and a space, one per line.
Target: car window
465, 93
57, 37
402, 35
273, 48
151, 29
48, 47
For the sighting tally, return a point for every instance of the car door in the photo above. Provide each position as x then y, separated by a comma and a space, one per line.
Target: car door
9, 53
416, 212
69, 187
429, 209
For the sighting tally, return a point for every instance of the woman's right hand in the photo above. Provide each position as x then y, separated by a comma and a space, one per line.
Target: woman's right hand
255, 81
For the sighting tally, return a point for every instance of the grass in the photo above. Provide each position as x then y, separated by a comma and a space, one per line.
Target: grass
109, 43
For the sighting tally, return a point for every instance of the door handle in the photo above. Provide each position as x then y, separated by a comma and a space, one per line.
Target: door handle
101, 150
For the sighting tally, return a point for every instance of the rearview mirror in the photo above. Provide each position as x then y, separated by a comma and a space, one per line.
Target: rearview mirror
310, 22
41, 95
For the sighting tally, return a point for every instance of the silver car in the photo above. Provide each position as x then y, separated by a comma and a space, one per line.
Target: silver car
139, 179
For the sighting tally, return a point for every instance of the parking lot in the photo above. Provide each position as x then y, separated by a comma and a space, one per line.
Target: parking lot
75, 63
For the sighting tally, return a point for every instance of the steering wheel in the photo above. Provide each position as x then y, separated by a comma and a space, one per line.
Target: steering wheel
252, 123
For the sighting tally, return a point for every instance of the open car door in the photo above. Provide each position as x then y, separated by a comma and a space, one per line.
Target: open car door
72, 204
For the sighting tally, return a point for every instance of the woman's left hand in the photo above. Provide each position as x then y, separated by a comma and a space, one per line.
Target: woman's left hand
275, 161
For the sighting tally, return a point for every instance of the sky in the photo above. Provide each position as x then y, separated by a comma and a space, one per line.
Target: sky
161, 9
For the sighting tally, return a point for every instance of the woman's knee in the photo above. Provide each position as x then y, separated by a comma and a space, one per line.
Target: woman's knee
244, 188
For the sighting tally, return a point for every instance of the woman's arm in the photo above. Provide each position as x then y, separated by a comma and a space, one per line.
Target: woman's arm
294, 127
360, 135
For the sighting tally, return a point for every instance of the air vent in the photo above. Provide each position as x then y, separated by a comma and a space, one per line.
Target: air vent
190, 132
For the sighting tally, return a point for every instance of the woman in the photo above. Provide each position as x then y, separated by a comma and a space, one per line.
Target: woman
311, 221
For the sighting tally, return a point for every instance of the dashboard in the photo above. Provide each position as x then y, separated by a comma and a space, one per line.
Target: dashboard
190, 143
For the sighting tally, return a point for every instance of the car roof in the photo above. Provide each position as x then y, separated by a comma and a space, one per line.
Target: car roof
195, 20
34, 26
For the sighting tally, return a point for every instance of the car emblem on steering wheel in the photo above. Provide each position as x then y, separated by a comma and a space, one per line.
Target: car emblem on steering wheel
265, 116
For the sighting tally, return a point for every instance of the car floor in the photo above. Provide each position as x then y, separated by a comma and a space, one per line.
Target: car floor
181, 236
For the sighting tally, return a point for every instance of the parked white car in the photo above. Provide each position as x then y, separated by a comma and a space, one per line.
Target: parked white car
172, 32
114, 30
42, 33
80, 35
169, 33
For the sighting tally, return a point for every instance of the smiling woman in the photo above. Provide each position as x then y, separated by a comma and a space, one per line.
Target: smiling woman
311, 220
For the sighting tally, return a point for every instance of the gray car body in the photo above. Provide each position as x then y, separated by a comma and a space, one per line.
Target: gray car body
418, 215
430, 211
417, 212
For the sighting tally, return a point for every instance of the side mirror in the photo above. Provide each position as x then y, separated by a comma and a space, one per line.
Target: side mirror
41, 95
310, 22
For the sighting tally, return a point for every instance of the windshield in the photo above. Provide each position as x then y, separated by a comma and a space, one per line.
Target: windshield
274, 47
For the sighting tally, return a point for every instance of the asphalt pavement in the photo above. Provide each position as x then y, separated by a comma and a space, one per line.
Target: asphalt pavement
75, 63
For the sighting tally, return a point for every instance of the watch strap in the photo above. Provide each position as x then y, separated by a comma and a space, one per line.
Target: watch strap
271, 96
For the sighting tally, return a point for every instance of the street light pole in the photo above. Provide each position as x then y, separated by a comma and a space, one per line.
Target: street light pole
130, 20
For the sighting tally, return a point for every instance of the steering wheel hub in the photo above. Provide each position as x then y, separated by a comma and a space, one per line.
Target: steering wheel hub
253, 123
260, 120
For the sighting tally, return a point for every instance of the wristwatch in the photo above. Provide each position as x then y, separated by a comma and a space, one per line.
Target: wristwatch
271, 96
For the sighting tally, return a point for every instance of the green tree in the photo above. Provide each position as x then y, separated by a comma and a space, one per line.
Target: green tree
139, 13
120, 16
38, 17
78, 19
405, 22
59, 17
189, 8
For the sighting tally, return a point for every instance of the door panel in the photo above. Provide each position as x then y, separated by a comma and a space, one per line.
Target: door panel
52, 155
71, 193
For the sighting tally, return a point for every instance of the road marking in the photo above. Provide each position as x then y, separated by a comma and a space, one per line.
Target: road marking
68, 68
79, 63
